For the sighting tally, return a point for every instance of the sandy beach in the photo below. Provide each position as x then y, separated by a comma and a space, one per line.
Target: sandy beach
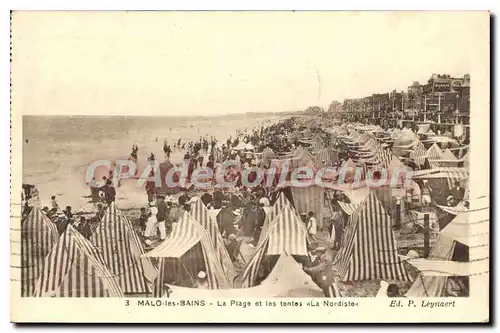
81, 140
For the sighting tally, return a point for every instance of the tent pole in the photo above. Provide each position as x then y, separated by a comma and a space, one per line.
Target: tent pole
189, 275
426, 235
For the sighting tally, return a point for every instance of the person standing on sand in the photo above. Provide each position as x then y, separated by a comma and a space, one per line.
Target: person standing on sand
312, 226
150, 231
161, 216
323, 274
109, 193
54, 204
143, 219
165, 148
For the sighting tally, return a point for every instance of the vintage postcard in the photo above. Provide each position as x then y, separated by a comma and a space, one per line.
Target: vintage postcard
323, 167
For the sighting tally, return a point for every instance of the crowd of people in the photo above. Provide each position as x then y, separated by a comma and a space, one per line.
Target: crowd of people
241, 209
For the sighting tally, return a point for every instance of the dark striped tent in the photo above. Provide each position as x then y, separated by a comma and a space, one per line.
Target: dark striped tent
286, 234
280, 201
122, 250
325, 157
310, 199
369, 249
75, 268
208, 221
38, 235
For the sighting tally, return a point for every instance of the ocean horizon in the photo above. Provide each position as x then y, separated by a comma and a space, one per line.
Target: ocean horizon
57, 149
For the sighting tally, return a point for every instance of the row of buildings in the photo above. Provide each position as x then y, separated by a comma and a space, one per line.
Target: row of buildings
442, 99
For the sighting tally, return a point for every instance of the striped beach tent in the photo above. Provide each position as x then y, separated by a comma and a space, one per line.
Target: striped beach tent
280, 202
310, 199
349, 172
38, 235
369, 250
317, 144
75, 268
325, 157
267, 155
418, 152
348, 208
185, 252
302, 158
209, 222
121, 250
434, 155
286, 234
384, 156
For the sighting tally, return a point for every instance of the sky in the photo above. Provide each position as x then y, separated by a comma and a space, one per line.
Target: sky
210, 63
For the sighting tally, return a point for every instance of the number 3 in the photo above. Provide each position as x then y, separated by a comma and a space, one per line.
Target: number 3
126, 303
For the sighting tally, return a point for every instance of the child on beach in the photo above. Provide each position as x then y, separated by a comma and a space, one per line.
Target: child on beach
143, 219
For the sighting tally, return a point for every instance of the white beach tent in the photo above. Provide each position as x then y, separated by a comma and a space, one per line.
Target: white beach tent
207, 220
285, 234
287, 279
186, 251
462, 249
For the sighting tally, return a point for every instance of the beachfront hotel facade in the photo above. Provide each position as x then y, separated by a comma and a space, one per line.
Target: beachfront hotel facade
443, 99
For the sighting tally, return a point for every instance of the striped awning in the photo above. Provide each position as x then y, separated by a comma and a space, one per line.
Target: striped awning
369, 248
183, 237
451, 174
287, 234
75, 268
38, 235
449, 268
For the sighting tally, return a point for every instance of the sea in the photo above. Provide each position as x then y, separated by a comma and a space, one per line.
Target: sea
57, 150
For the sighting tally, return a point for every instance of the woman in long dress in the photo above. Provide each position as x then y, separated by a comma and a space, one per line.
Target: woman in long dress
150, 231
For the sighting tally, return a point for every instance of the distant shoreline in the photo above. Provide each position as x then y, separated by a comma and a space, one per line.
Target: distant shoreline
275, 113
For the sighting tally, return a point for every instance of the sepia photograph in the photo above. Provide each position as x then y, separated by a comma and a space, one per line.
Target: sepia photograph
270, 162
